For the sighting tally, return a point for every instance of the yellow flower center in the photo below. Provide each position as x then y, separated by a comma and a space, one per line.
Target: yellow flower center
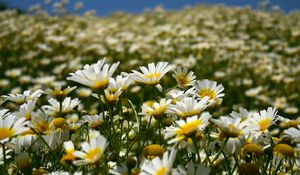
43, 126
264, 124
68, 156
231, 131
28, 116
182, 80
93, 154
5, 133
189, 128
284, 150
253, 148
160, 110
161, 171
153, 75
207, 92
59, 122
184, 115
152, 151
100, 84
27, 132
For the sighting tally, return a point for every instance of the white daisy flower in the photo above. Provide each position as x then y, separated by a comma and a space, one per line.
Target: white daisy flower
191, 168
159, 166
188, 107
95, 120
57, 92
92, 134
69, 148
92, 151
23, 98
67, 106
152, 75
294, 133
40, 122
122, 170
183, 77
4, 113
209, 88
243, 114
233, 127
84, 92
121, 82
11, 126
26, 109
112, 97
95, 76
25, 140
264, 119
177, 95
156, 109
187, 128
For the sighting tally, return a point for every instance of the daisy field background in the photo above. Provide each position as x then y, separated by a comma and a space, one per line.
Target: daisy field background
149, 87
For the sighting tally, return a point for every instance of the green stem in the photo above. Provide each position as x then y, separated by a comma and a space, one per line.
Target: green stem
197, 150
220, 150
227, 163
4, 159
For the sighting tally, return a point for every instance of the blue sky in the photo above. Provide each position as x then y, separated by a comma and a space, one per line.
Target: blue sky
105, 7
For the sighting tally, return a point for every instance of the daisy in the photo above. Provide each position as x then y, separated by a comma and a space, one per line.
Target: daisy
243, 114
95, 120
95, 76
152, 151
25, 140
209, 88
122, 170
177, 95
26, 109
187, 128
159, 166
84, 92
91, 134
58, 123
183, 77
67, 106
40, 122
69, 148
57, 92
121, 82
294, 133
23, 98
156, 109
10, 126
152, 75
232, 127
191, 168
112, 97
188, 107
264, 119
92, 151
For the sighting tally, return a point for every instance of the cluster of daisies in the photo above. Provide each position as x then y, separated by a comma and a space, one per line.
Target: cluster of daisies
132, 123
253, 53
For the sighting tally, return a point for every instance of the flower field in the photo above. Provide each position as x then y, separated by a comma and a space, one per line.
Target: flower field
204, 90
